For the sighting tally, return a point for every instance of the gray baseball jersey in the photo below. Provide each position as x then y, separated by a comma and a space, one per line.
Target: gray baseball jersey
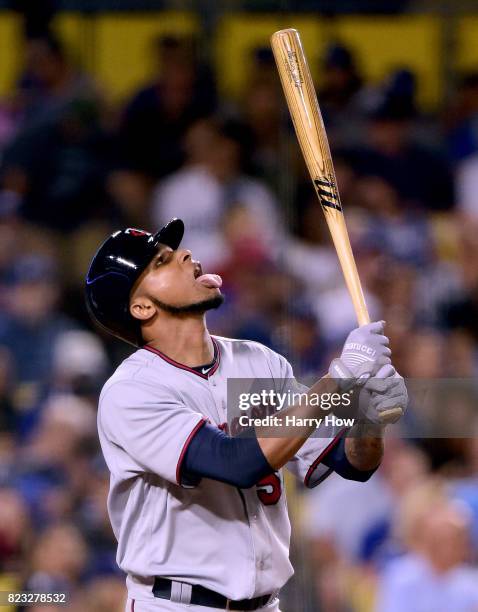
233, 541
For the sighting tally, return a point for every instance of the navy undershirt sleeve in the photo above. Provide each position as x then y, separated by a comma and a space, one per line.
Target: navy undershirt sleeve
337, 460
213, 454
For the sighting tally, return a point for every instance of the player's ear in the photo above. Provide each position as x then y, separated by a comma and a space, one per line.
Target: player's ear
141, 308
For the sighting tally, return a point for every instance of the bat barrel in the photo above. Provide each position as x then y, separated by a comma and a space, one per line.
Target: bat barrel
299, 91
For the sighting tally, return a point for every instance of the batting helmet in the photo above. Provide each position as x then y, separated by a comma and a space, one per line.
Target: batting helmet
113, 271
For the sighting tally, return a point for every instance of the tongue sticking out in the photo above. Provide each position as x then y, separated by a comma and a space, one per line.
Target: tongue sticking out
213, 281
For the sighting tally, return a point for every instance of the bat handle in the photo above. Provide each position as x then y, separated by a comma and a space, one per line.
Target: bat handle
393, 414
363, 318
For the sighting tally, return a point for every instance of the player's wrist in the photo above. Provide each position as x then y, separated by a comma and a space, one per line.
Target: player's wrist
342, 375
364, 451
348, 377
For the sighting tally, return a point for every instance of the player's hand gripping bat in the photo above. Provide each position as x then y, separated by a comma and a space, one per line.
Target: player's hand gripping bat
304, 108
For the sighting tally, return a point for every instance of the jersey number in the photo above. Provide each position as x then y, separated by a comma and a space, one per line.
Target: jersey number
269, 490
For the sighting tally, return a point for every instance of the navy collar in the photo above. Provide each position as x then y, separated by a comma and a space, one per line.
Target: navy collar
213, 366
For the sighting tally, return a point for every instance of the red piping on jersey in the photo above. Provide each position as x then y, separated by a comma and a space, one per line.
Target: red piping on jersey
132, 605
185, 448
181, 366
325, 452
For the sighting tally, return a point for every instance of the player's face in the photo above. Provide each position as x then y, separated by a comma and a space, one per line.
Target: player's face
174, 282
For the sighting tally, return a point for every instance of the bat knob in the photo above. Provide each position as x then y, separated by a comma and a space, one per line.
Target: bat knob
390, 416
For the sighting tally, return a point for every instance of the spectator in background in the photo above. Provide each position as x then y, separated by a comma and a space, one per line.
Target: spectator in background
10, 233
334, 307
58, 561
461, 124
158, 116
467, 188
211, 191
412, 271
8, 417
31, 323
435, 574
15, 531
303, 342
55, 168
465, 486
427, 358
129, 192
44, 471
79, 364
50, 80
37, 16
7, 385
308, 255
461, 119
258, 297
357, 531
263, 115
421, 176
9, 123
341, 96
340, 81
404, 235
263, 66
461, 312
90, 483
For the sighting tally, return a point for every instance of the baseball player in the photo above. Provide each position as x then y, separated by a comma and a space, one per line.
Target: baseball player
201, 516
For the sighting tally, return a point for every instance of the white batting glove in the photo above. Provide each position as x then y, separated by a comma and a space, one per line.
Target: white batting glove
365, 352
382, 393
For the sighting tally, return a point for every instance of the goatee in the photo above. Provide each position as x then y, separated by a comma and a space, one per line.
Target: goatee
194, 308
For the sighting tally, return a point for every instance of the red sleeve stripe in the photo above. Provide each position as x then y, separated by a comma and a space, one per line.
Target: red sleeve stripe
185, 448
132, 605
325, 452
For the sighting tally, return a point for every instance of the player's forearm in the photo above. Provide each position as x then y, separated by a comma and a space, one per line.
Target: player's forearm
280, 443
364, 447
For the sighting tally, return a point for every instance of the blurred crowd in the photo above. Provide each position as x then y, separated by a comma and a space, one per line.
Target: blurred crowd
74, 167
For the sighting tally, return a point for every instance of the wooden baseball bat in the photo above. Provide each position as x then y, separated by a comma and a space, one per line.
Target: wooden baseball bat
304, 109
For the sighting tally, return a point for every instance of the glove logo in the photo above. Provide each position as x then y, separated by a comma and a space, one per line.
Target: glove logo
362, 348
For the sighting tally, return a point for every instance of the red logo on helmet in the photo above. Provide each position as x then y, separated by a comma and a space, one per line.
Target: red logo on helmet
136, 232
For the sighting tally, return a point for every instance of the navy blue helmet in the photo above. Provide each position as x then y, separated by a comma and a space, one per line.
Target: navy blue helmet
114, 270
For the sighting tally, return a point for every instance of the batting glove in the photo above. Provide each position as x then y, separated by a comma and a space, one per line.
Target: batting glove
365, 352
380, 395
